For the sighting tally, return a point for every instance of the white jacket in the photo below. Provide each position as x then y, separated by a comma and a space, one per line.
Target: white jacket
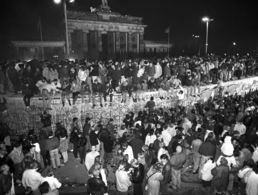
158, 71
140, 72
255, 155
122, 181
129, 152
82, 75
252, 184
206, 171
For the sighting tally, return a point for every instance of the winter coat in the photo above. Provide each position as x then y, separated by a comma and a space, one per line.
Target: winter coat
252, 184
83, 74
5, 183
206, 171
177, 160
93, 138
167, 71
97, 88
158, 71
52, 143
96, 186
154, 179
255, 155
27, 90
74, 136
76, 86
227, 147
46, 73
207, 149
136, 144
150, 70
220, 177
138, 174
63, 147
166, 172
81, 142
94, 71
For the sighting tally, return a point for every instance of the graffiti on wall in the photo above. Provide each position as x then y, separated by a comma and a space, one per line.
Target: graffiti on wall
21, 119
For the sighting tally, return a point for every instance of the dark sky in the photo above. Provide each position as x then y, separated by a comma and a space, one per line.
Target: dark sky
233, 20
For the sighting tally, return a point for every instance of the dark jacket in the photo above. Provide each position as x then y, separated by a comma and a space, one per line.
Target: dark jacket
166, 172
108, 142
86, 129
27, 90
220, 177
81, 142
95, 70
156, 145
136, 144
46, 120
97, 88
74, 137
5, 183
52, 143
207, 149
93, 138
150, 157
96, 186
138, 174
150, 105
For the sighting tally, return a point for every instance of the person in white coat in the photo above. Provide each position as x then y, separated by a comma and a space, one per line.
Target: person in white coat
158, 71
128, 151
252, 181
150, 137
255, 155
205, 172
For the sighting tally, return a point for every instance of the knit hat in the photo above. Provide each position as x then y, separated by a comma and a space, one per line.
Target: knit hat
227, 147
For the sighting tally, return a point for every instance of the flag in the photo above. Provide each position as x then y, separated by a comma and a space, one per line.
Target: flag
167, 30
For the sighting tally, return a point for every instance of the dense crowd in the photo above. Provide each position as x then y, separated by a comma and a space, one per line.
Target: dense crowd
149, 154
103, 79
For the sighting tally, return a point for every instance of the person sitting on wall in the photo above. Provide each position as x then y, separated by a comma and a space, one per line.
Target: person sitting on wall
150, 105
96, 90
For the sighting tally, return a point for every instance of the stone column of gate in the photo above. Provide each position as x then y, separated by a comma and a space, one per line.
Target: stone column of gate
85, 43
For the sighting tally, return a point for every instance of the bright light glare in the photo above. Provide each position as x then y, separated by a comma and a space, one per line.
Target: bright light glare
195, 36
57, 1
205, 19
234, 43
71, 1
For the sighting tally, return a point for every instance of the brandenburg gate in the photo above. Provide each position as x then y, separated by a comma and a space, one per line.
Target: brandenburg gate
103, 34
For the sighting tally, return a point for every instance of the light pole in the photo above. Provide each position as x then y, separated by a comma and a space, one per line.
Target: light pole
196, 38
207, 20
66, 26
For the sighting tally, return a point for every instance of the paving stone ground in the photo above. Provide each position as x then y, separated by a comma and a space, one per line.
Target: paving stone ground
74, 176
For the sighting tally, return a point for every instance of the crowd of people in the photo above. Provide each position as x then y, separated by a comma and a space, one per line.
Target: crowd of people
216, 141
80, 78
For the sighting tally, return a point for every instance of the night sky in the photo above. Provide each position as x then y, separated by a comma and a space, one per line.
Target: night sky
234, 21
